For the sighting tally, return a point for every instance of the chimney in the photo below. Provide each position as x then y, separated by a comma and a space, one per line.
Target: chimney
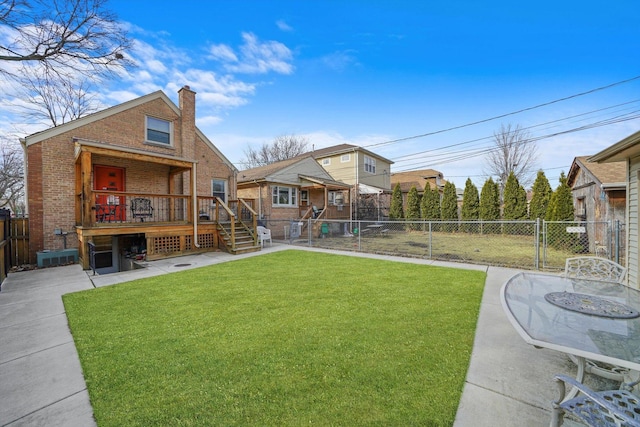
187, 101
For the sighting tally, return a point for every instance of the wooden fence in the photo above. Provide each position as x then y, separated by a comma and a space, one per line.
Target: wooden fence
14, 242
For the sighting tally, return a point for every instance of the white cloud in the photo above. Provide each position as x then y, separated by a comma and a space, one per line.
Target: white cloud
283, 26
339, 60
222, 52
257, 57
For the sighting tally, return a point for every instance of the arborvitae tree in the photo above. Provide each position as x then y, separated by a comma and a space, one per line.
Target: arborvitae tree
430, 205
449, 205
515, 200
541, 197
490, 201
413, 204
561, 209
396, 211
470, 205
413, 207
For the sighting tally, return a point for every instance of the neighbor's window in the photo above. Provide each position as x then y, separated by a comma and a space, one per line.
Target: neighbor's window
369, 164
326, 162
284, 196
219, 189
158, 131
345, 158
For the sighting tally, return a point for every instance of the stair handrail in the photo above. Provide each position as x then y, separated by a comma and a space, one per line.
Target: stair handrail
232, 216
254, 221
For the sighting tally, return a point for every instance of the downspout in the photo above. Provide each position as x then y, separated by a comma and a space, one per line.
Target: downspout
194, 199
23, 144
356, 189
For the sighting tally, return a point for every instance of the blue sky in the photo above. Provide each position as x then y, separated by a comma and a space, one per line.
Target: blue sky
369, 72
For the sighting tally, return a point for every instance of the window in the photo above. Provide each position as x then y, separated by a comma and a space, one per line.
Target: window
336, 198
219, 189
369, 164
326, 162
304, 196
158, 131
345, 158
284, 196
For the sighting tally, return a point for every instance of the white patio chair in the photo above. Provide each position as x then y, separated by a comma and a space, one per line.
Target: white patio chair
264, 234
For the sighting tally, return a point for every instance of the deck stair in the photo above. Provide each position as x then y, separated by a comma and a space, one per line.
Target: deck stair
244, 240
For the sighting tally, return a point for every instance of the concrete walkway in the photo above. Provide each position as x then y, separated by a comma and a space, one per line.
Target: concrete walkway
41, 384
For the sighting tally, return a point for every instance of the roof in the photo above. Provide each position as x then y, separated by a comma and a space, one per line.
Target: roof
341, 149
415, 178
622, 150
262, 172
609, 173
107, 112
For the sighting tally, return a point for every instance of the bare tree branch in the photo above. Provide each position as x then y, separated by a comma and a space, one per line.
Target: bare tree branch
11, 176
58, 34
514, 152
282, 148
46, 98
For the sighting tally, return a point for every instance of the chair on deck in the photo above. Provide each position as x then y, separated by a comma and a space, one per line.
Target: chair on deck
141, 208
264, 234
596, 408
316, 212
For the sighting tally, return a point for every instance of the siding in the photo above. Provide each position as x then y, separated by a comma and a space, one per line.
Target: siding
632, 223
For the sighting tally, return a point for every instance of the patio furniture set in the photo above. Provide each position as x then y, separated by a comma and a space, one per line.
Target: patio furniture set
590, 315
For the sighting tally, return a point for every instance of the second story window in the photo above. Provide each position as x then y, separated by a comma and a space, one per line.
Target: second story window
158, 131
369, 164
326, 162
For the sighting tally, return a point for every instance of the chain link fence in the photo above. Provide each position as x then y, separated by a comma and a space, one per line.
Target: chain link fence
532, 245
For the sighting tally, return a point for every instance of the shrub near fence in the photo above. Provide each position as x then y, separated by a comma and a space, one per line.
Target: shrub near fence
516, 244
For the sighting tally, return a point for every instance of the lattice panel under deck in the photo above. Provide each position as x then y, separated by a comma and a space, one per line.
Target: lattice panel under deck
166, 244
206, 240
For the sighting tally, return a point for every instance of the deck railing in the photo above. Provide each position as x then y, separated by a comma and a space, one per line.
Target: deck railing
106, 208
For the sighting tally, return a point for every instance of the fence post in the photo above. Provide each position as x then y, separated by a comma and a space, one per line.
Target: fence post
309, 232
537, 233
617, 242
430, 242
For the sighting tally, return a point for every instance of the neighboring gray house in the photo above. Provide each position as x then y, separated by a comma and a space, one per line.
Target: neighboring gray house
599, 197
628, 151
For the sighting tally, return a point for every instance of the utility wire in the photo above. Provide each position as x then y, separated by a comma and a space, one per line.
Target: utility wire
507, 114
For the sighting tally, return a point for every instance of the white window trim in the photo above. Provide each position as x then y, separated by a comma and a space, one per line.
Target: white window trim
160, 144
370, 165
226, 188
326, 162
293, 197
345, 158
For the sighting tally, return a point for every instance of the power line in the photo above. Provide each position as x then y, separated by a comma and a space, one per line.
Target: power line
506, 114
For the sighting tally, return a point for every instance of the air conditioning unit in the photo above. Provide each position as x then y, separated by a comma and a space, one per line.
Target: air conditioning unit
48, 258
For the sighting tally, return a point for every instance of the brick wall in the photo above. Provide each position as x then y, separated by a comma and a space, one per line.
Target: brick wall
51, 166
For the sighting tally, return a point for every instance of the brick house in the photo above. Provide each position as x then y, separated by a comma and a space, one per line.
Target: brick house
289, 190
136, 179
419, 179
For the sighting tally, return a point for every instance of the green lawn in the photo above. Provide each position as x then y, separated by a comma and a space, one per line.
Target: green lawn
287, 338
